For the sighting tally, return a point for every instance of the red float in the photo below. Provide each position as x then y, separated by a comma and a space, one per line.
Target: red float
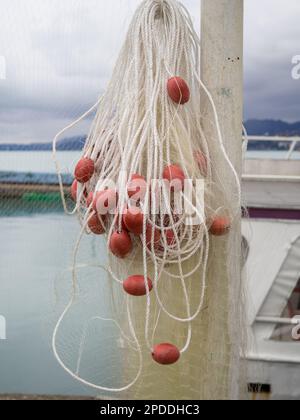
74, 189
166, 354
135, 285
120, 244
201, 160
172, 174
137, 187
178, 90
95, 225
153, 235
84, 170
105, 202
117, 224
220, 226
134, 220
170, 237
90, 199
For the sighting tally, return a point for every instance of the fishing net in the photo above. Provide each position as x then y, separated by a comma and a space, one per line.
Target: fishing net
156, 311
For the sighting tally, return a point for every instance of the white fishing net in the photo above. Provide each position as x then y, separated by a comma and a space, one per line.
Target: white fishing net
148, 123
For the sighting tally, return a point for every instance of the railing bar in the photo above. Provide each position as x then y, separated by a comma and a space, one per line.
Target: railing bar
276, 139
273, 139
279, 321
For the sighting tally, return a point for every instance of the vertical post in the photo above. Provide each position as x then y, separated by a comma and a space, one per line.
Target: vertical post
222, 68
222, 73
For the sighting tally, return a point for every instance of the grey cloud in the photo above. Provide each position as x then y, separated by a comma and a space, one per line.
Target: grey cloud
272, 38
30, 125
60, 55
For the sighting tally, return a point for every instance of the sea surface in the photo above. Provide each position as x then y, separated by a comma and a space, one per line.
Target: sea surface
37, 242
271, 154
35, 252
42, 162
36, 246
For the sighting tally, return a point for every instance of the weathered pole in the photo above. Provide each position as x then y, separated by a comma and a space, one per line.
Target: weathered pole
222, 68
222, 73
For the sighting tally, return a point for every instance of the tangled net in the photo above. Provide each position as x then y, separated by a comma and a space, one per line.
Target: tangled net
152, 183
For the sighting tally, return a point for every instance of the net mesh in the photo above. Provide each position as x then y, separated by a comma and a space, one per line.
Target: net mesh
142, 134
96, 340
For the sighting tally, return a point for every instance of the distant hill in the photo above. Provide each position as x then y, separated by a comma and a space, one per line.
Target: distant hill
272, 128
254, 128
67, 144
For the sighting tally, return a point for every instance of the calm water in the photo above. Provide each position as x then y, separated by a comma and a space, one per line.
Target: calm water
34, 252
267, 154
40, 162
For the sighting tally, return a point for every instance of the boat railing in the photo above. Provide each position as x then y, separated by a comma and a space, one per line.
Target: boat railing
293, 142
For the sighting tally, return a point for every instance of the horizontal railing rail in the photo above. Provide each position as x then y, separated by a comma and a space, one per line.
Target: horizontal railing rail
277, 320
294, 141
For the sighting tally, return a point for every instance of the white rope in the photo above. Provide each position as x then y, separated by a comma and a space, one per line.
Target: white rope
56, 161
139, 130
62, 317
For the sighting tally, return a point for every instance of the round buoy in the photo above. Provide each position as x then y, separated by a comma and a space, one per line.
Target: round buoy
95, 225
89, 199
134, 220
84, 170
153, 235
135, 285
220, 226
137, 187
166, 354
117, 224
173, 174
178, 90
201, 160
170, 237
120, 244
105, 202
74, 189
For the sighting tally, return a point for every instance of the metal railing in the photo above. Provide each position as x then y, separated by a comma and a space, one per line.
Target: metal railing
279, 321
294, 141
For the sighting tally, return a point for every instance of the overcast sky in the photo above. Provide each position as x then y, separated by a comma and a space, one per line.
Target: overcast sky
59, 55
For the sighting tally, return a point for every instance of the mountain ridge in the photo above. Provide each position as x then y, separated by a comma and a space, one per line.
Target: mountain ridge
270, 127
254, 127
67, 144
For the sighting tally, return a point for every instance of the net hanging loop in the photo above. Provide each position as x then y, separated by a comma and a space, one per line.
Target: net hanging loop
161, 4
